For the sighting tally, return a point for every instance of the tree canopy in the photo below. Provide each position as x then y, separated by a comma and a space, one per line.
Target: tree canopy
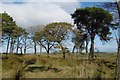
94, 21
52, 33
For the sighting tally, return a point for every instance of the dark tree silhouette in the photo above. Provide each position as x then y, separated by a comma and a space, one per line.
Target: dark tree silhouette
8, 25
95, 21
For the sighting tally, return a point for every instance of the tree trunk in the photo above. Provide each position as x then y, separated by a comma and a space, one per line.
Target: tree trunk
73, 49
77, 49
21, 50
48, 53
25, 46
25, 50
80, 48
35, 49
80, 51
118, 6
8, 45
12, 45
118, 63
40, 48
17, 45
118, 52
48, 49
63, 54
63, 50
86, 47
91, 55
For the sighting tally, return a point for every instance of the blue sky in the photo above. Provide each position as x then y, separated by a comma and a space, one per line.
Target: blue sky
42, 13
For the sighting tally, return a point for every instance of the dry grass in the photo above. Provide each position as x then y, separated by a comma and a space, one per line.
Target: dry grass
0, 66
74, 66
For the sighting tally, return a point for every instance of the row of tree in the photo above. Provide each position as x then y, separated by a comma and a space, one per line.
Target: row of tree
89, 21
13, 35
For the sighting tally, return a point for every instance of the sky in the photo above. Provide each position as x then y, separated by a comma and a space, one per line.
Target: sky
29, 13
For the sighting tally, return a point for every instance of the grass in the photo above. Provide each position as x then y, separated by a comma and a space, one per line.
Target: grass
74, 66
0, 66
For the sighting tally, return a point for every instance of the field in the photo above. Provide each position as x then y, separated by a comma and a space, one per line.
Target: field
73, 66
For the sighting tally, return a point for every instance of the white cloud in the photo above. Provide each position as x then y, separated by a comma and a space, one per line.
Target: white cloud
59, 0
41, 13
51, 0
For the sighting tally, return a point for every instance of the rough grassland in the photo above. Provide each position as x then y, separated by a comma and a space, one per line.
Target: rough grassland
74, 66
0, 66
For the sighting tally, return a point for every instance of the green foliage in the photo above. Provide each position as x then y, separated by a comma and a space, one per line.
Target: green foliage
11, 32
18, 31
78, 35
52, 33
55, 32
96, 21
8, 25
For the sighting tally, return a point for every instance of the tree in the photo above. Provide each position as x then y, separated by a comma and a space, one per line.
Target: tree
53, 33
59, 32
25, 37
43, 38
87, 39
19, 33
115, 8
12, 33
38, 39
95, 21
118, 57
8, 25
0, 27
26, 42
32, 31
78, 40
